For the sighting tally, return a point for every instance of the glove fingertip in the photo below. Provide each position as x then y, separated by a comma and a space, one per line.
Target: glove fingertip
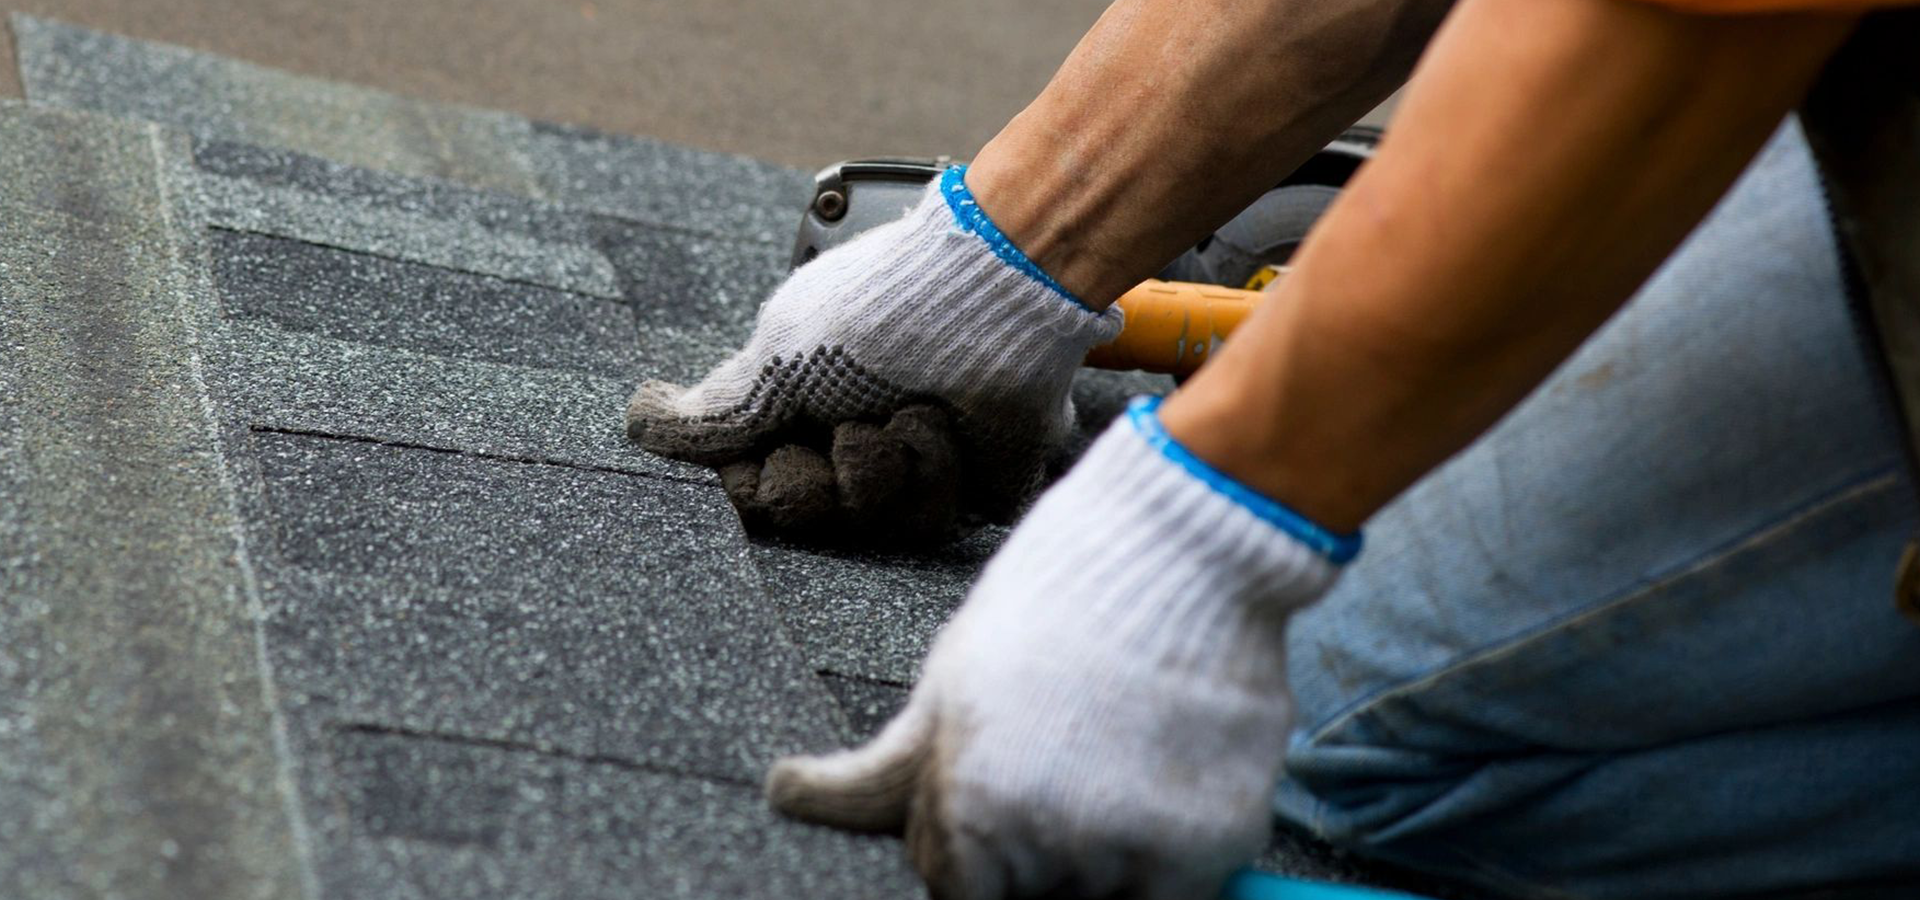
929, 431
820, 789
924, 427
868, 788
786, 783
871, 469
660, 422
796, 489
651, 402
741, 483
654, 398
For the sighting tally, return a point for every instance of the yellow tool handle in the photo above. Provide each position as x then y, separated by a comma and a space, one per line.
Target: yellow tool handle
1173, 326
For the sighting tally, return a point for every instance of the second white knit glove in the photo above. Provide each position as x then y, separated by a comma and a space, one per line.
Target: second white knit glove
1107, 713
939, 309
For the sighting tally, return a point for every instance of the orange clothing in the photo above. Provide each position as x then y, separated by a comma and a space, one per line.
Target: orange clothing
1727, 7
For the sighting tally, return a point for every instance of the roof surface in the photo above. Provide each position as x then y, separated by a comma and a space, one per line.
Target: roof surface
328, 570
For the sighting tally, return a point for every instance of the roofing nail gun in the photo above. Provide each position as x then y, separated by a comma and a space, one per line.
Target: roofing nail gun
1174, 322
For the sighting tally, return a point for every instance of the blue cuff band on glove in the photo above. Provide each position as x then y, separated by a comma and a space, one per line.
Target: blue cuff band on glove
973, 220
1143, 412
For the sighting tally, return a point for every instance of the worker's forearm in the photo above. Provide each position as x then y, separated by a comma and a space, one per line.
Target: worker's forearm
1548, 156
1172, 115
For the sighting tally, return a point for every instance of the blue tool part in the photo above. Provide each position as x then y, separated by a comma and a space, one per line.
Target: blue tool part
1248, 884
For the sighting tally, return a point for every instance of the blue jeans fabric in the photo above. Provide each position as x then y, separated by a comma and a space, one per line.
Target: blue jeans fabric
1640, 639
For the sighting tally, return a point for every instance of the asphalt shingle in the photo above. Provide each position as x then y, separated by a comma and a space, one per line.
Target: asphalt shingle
298, 196
137, 752
374, 300
866, 615
664, 184
600, 613
455, 819
296, 381
505, 589
694, 295
693, 290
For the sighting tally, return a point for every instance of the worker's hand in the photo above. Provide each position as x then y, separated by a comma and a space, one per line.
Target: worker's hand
935, 309
1105, 717
891, 485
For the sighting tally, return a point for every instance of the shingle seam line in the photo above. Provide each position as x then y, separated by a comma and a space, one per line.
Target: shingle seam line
478, 454
598, 759
865, 679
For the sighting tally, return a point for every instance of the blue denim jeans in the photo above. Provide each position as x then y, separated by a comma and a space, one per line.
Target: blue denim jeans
1640, 640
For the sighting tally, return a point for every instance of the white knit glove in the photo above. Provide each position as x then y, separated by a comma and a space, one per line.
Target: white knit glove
938, 308
1106, 715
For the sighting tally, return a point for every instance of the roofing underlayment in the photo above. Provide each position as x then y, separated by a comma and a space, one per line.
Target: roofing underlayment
326, 569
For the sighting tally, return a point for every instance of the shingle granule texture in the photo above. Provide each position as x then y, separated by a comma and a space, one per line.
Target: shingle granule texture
413, 306
137, 748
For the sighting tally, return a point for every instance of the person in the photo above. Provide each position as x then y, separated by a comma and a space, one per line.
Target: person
1623, 629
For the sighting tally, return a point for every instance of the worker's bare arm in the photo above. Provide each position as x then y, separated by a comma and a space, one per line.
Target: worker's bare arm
1172, 115
1548, 156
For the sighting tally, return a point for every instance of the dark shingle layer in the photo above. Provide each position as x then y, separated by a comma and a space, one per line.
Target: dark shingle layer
445, 818
594, 612
412, 306
867, 615
694, 295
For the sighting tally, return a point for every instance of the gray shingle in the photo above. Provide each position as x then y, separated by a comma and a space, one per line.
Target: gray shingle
658, 183
869, 705
137, 754
385, 302
869, 615
290, 194
695, 295
601, 613
303, 382
264, 167
438, 818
